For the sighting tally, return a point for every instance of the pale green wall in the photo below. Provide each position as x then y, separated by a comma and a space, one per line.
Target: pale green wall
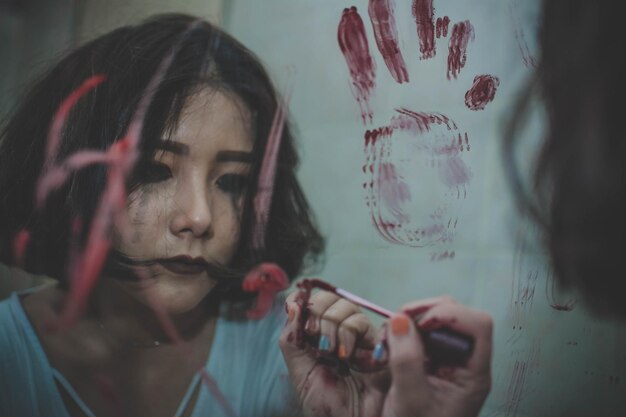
547, 363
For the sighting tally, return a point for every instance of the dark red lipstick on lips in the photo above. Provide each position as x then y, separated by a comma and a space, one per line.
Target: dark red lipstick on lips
184, 265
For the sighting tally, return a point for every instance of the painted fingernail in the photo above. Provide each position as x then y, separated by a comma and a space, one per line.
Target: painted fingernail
342, 352
379, 351
399, 325
324, 343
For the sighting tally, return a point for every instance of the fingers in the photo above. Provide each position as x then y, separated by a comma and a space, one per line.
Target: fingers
476, 324
297, 355
339, 324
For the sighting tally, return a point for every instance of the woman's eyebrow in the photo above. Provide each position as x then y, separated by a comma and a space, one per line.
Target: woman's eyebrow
234, 156
173, 147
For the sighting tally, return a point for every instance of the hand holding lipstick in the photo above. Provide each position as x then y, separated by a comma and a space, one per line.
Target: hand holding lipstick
411, 383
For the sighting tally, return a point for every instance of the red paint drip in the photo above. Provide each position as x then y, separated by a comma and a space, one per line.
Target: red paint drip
482, 92
527, 56
442, 26
381, 14
49, 181
355, 49
462, 33
20, 243
266, 280
424, 14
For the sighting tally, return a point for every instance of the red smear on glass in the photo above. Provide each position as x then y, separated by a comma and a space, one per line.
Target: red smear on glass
267, 173
442, 26
266, 280
388, 193
462, 33
482, 92
424, 14
381, 14
20, 243
52, 177
527, 57
211, 384
355, 49
552, 294
110, 395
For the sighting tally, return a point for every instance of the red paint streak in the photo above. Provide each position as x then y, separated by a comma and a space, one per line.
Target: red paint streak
462, 33
436, 257
482, 92
442, 26
527, 57
424, 14
266, 280
551, 295
47, 180
381, 14
265, 188
516, 388
211, 384
394, 191
355, 49
110, 395
20, 243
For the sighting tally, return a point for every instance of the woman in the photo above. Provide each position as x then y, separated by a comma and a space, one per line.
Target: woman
182, 249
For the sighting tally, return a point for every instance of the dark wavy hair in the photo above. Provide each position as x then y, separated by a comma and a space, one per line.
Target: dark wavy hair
578, 190
129, 56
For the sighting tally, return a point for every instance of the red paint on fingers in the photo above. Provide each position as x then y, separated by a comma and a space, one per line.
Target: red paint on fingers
482, 92
462, 33
424, 14
355, 49
381, 14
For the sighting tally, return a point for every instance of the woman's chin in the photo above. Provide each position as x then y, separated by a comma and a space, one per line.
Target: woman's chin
174, 298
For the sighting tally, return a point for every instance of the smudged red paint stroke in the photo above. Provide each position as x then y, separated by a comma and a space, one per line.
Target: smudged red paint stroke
381, 14
527, 57
482, 92
387, 190
551, 295
462, 33
442, 26
424, 14
355, 49
265, 187
266, 280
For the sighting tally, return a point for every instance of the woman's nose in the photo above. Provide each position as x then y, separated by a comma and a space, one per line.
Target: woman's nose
192, 215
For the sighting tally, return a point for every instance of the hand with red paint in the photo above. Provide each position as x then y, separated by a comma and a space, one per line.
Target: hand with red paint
322, 335
447, 392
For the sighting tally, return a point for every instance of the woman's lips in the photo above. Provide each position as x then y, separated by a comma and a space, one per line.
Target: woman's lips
184, 265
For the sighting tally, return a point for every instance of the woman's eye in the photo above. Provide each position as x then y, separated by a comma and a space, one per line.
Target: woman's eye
155, 172
232, 183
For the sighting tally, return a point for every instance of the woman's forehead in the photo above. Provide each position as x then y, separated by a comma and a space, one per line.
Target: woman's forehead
213, 119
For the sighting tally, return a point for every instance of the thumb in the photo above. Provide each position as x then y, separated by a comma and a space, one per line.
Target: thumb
410, 390
297, 353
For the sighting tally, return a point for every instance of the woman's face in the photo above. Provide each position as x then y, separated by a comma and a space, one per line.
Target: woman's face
187, 212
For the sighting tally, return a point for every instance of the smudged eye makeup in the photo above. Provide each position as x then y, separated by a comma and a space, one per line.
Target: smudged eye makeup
154, 172
234, 184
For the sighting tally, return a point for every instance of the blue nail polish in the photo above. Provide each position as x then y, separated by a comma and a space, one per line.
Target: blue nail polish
379, 351
324, 343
